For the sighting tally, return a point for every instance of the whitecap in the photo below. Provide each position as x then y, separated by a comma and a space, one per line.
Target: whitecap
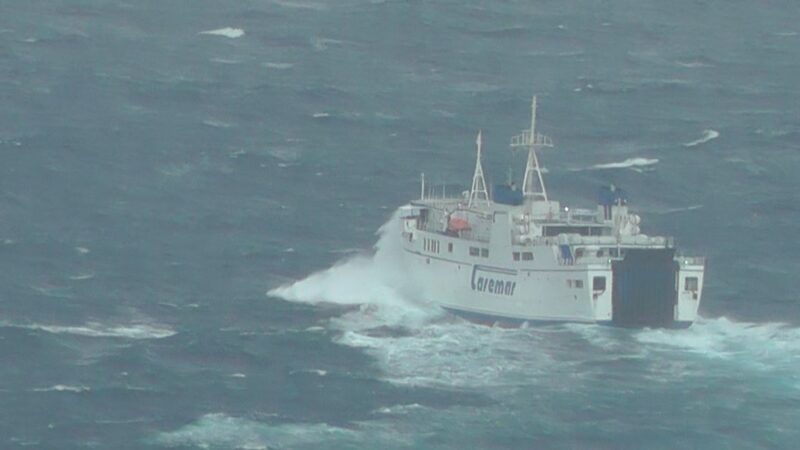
628, 163
63, 388
238, 375
82, 250
321, 44
228, 32
284, 154
691, 64
300, 4
82, 276
234, 154
320, 115
219, 430
759, 344
54, 291
680, 209
94, 329
708, 135
378, 282
399, 409
277, 65
225, 61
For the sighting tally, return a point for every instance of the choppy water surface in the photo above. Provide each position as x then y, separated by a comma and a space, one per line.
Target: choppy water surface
167, 164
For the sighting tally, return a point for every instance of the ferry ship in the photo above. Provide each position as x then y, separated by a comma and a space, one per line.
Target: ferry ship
511, 256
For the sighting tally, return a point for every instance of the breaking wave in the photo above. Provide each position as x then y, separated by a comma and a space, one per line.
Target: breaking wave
94, 329
628, 163
228, 32
379, 282
63, 388
277, 65
219, 430
760, 343
415, 344
707, 136
223, 431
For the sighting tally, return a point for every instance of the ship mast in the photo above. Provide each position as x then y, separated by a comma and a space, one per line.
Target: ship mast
533, 183
478, 193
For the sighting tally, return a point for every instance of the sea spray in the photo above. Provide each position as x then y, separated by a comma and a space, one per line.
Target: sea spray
380, 281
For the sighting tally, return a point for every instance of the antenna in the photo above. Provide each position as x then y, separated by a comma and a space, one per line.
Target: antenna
478, 192
533, 183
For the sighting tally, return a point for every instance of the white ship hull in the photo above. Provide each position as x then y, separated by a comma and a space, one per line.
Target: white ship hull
495, 289
515, 256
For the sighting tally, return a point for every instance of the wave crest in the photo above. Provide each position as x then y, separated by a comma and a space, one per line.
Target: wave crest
708, 135
94, 329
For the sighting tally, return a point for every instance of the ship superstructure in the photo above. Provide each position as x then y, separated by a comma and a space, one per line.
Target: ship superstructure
514, 255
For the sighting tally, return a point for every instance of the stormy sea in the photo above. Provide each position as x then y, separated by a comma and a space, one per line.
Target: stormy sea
195, 241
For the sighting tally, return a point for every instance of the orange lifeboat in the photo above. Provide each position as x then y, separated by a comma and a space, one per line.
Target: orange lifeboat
457, 224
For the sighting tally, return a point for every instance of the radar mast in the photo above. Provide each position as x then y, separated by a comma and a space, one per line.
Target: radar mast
533, 183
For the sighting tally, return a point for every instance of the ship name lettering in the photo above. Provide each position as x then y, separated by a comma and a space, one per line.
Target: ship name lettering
495, 286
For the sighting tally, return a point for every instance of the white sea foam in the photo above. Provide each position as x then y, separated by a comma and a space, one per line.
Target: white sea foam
63, 388
628, 163
414, 345
754, 343
317, 372
681, 209
277, 65
708, 135
321, 44
82, 276
285, 154
692, 63
217, 123
302, 4
225, 61
455, 354
378, 281
220, 430
226, 32
399, 409
94, 329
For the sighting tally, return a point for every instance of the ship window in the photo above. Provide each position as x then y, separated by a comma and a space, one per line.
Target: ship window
600, 253
599, 284
516, 256
691, 284
578, 252
450, 247
474, 251
527, 256
579, 284
613, 252
485, 252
